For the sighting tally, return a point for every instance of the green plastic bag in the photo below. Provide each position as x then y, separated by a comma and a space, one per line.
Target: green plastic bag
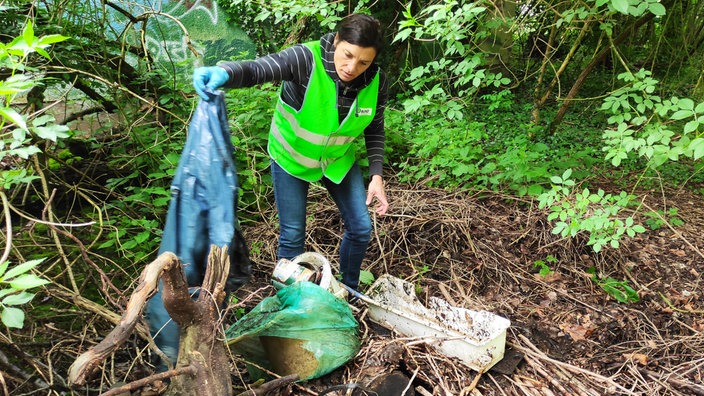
303, 330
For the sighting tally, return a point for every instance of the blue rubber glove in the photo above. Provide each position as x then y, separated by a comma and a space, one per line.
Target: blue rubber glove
208, 79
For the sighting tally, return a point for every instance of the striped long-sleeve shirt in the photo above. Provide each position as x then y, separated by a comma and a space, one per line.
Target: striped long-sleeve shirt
293, 67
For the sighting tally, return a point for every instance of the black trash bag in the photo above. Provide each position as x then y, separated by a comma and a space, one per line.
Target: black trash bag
240, 263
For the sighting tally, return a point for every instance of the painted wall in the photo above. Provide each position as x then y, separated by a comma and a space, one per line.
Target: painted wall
212, 36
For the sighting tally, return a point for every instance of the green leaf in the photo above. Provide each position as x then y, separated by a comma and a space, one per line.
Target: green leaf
15, 84
52, 132
42, 52
24, 152
28, 33
13, 317
5, 292
697, 147
3, 268
657, 9
13, 116
366, 277
21, 269
18, 298
638, 228
403, 35
142, 236
566, 175
51, 39
686, 104
682, 114
691, 126
461, 169
27, 281
620, 6
107, 244
535, 189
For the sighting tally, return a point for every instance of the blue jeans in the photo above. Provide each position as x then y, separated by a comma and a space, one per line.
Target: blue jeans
350, 196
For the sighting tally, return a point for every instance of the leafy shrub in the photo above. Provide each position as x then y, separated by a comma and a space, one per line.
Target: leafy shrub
658, 129
597, 214
14, 284
658, 218
23, 142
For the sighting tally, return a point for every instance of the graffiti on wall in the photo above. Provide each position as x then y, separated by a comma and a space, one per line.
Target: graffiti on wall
176, 29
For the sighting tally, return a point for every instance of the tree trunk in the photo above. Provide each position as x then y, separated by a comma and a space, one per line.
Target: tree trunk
88, 363
541, 99
497, 46
595, 61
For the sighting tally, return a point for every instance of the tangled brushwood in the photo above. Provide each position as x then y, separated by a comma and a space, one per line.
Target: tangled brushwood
568, 335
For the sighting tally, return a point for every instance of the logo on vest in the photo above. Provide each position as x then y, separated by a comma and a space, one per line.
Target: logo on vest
365, 111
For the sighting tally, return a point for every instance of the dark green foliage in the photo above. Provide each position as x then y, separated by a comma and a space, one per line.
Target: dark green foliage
490, 147
250, 111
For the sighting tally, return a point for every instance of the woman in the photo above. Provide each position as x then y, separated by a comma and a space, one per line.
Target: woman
332, 93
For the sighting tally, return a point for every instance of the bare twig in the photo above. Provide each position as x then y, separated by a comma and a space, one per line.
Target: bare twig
8, 228
272, 385
187, 370
534, 351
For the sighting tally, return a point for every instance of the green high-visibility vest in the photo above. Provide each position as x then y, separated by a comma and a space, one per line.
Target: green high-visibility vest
311, 143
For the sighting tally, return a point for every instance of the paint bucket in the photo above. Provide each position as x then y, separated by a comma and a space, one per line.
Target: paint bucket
308, 266
288, 272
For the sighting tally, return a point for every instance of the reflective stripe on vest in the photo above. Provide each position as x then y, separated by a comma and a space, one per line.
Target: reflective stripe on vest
311, 143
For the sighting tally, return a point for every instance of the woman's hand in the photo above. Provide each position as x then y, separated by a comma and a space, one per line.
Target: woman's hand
208, 79
376, 190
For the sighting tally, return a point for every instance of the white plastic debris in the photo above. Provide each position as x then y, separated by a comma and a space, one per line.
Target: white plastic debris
477, 338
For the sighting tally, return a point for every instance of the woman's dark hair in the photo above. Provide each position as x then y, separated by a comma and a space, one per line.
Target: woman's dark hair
362, 30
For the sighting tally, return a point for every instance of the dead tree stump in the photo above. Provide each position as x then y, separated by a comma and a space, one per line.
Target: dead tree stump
199, 320
200, 346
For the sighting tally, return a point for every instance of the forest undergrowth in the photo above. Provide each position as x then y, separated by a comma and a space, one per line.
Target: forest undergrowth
568, 335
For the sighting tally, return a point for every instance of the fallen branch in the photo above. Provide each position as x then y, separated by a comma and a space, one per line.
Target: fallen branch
134, 385
267, 387
696, 389
672, 307
546, 375
87, 363
87, 305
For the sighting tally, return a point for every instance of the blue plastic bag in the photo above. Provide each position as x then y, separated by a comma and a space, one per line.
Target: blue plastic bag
202, 212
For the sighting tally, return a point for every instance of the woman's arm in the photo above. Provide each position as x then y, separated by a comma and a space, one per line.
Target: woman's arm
291, 64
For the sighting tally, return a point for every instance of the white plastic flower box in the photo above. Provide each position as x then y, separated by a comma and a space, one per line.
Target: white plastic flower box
477, 338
